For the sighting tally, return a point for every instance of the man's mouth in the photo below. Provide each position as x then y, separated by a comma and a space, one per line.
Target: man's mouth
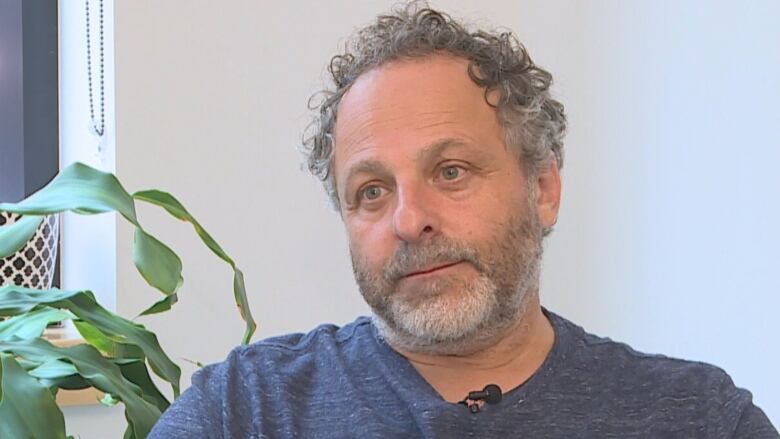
432, 269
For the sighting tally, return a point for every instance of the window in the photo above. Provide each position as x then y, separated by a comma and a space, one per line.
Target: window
45, 122
29, 126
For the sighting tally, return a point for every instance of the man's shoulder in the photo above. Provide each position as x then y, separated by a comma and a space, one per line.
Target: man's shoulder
294, 352
301, 343
288, 377
620, 369
663, 395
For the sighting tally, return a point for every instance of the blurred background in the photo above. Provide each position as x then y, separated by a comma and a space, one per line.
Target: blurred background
668, 237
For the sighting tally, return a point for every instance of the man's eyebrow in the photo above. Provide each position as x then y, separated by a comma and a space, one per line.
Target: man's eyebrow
366, 167
378, 168
438, 147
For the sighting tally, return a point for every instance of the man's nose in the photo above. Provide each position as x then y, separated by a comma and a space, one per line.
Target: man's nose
414, 218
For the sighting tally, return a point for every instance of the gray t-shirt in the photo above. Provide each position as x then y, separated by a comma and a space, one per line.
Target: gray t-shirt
347, 382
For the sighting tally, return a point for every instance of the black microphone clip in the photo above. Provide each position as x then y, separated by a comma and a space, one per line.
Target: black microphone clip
491, 394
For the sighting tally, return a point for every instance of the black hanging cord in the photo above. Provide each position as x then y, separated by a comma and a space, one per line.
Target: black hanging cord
101, 127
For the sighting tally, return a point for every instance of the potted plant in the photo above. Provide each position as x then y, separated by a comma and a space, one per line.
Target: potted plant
117, 353
34, 264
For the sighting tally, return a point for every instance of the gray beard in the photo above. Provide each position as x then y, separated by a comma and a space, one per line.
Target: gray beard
454, 316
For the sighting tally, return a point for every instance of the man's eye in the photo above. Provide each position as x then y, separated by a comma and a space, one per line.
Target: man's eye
371, 193
451, 172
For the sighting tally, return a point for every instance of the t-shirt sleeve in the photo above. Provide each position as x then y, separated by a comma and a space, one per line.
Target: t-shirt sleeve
754, 424
195, 414
735, 414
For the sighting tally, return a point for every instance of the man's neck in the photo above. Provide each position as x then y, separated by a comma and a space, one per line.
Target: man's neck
512, 360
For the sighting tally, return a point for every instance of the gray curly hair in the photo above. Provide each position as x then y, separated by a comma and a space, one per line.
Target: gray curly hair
534, 123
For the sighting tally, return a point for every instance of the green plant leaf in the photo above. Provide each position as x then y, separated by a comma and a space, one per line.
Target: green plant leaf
161, 305
16, 300
68, 382
27, 408
239, 292
32, 324
53, 369
85, 190
99, 372
157, 263
111, 346
137, 372
82, 304
196, 363
124, 375
108, 400
81, 189
175, 208
55, 374
14, 236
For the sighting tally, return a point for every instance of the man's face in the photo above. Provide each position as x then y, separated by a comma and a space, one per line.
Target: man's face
444, 224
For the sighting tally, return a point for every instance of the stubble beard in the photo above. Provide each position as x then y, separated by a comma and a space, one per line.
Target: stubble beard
455, 315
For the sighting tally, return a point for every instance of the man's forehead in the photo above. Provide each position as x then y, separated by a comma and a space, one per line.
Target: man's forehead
410, 101
443, 74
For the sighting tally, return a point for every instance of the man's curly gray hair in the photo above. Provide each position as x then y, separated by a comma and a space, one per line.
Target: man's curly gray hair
533, 122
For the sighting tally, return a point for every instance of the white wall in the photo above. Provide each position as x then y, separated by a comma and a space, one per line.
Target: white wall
667, 238
669, 234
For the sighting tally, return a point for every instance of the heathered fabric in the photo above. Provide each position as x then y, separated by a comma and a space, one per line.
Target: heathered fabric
347, 382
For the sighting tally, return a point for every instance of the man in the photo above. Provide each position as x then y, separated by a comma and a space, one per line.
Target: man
441, 150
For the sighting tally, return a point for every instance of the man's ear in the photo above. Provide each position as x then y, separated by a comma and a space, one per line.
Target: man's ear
548, 193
